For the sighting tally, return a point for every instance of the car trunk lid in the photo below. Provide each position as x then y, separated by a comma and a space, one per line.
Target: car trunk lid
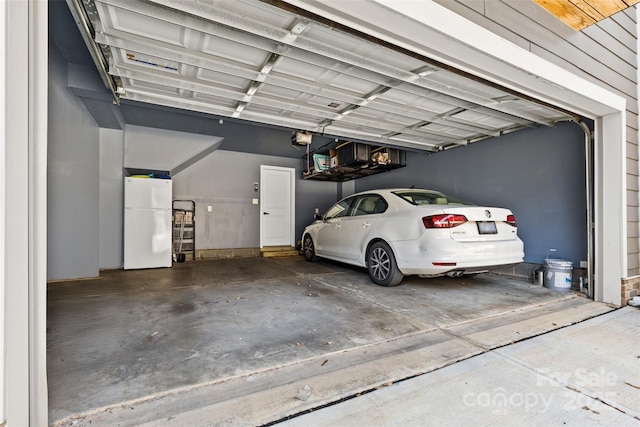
483, 224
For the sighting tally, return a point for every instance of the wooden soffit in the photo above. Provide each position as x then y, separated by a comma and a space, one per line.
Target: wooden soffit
579, 14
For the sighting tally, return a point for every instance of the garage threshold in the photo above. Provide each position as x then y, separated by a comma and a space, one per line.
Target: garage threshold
406, 331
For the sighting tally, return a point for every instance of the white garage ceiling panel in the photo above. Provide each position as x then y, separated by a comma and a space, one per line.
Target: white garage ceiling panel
252, 60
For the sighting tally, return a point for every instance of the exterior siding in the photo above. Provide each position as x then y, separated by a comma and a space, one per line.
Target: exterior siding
604, 53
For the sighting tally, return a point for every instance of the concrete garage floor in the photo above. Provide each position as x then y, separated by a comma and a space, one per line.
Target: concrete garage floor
235, 342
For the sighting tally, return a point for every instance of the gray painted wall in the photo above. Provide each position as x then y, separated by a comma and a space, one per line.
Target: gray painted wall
224, 180
604, 53
161, 149
239, 135
537, 173
73, 182
111, 198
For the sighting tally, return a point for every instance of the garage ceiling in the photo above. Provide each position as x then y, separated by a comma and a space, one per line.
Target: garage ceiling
266, 62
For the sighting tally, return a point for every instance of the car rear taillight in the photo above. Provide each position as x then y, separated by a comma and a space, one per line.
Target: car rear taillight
443, 221
511, 220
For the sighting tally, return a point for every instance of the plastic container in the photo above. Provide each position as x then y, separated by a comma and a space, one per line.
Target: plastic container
321, 162
557, 274
538, 277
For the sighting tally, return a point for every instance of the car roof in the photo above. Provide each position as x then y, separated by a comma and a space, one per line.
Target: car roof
392, 190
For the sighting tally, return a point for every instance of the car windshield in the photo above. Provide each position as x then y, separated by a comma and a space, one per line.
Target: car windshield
422, 197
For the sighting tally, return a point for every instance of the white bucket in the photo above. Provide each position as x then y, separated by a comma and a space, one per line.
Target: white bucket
557, 274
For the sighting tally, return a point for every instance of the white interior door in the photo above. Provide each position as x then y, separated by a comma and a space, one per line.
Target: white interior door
277, 202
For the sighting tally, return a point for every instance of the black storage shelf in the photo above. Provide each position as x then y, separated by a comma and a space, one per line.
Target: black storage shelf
356, 160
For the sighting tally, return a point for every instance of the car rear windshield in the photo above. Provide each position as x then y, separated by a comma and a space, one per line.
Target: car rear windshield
418, 197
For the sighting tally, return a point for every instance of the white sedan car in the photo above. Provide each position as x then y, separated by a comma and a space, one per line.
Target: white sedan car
397, 232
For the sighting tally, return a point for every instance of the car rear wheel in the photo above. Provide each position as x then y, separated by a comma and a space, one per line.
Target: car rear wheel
382, 266
308, 248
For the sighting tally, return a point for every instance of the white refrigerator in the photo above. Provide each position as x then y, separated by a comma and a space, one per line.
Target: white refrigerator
147, 223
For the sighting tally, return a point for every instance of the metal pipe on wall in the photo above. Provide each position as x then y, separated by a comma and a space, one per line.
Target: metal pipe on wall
588, 142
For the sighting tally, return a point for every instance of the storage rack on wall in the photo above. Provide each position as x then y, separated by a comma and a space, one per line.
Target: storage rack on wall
346, 160
184, 229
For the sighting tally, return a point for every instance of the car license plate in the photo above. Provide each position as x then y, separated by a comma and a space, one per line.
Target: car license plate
487, 227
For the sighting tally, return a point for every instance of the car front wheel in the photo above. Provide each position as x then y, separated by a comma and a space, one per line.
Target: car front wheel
382, 266
308, 249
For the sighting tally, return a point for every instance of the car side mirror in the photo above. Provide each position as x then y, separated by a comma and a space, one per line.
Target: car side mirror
318, 216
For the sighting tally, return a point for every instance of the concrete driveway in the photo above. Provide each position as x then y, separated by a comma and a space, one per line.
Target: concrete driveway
254, 341
583, 375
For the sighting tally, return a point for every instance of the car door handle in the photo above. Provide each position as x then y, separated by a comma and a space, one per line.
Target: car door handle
366, 225
265, 213
337, 225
